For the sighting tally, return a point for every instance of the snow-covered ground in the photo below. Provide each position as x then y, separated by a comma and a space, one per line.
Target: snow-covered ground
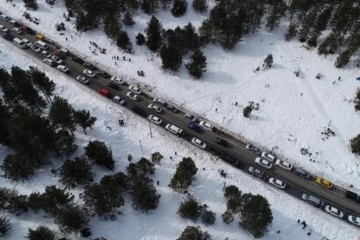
293, 111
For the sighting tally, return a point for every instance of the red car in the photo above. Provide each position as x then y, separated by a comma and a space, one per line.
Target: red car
104, 92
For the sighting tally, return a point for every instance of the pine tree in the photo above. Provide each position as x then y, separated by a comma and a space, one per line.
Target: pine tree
74, 172
247, 111
123, 41
184, 175
42, 82
128, 19
179, 8
153, 32
355, 144
194, 233
140, 39
208, 217
149, 6
200, 5
232, 192
190, 37
307, 25
197, 66
343, 59
5, 226
142, 167
276, 12
99, 153
190, 209
171, 58
62, 114
31, 4
5, 121
71, 219
143, 192
64, 143
268, 61
41, 233
19, 167
256, 215
83, 118
112, 27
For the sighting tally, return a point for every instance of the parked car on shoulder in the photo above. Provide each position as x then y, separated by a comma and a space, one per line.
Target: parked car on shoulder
135, 89
253, 148
78, 60
160, 101
138, 111
174, 129
277, 183
104, 92
268, 156
113, 86
155, 119
207, 126
352, 195
89, 73
14, 22
256, 172
46, 54
172, 108
117, 80
283, 164
197, 142
82, 79
354, 220
155, 108
4, 17
323, 182
35, 48
264, 163
89, 66
26, 42
190, 116
119, 100
63, 68
17, 30
132, 96
8, 36
49, 62
221, 142
302, 172
312, 200
56, 59
334, 211
102, 74
194, 127
4, 29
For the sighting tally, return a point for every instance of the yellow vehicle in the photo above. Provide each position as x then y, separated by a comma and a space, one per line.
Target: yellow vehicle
39, 37
324, 182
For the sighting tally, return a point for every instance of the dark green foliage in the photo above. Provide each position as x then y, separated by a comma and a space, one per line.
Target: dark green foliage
65, 142
105, 198
62, 114
179, 8
42, 82
75, 172
51, 201
208, 217
123, 41
227, 217
83, 119
343, 59
100, 154
256, 215
156, 157
128, 19
232, 192
32, 4
86, 22
197, 65
112, 26
184, 175
233, 205
142, 167
5, 226
12, 202
307, 25
291, 32
190, 209
277, 10
71, 219
357, 100
200, 5
355, 144
190, 38
140, 39
153, 32
5, 121
149, 6
171, 58
247, 111
41, 233
268, 61
19, 167
143, 192
85, 232
194, 233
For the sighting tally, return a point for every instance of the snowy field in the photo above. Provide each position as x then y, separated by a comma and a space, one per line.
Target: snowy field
293, 112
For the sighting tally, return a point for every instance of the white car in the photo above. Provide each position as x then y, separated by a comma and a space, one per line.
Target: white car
26, 42
155, 119
82, 79
17, 30
89, 73
160, 101
277, 183
268, 156
334, 211
56, 59
155, 108
253, 148
119, 100
135, 89
283, 164
117, 80
4, 17
198, 143
263, 162
46, 54
49, 62
4, 29
62, 68
132, 96
207, 125
35, 48
190, 116
354, 220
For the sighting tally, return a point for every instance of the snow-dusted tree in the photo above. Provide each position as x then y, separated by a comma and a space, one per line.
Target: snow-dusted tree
83, 118
200, 5
268, 61
197, 65
41, 233
5, 226
247, 111
153, 32
99, 153
179, 8
192, 232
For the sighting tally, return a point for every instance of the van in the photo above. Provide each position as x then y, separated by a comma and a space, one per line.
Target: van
41, 44
173, 129
19, 43
312, 200
64, 51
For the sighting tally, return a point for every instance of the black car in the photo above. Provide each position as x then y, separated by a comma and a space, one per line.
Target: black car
194, 127
352, 195
90, 66
172, 108
78, 60
138, 110
113, 86
221, 142
8, 36
103, 74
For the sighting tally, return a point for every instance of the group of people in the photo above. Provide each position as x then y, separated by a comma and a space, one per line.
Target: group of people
141, 73
102, 50
121, 122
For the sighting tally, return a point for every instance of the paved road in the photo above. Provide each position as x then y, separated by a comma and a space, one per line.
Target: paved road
235, 154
